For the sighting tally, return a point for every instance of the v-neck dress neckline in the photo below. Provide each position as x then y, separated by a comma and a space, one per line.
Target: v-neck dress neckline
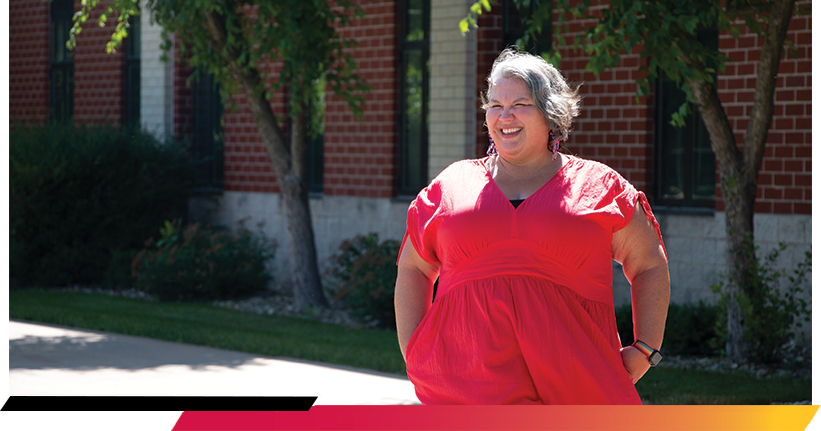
555, 177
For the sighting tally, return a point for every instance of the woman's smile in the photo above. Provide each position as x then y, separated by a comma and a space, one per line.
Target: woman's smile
510, 132
515, 123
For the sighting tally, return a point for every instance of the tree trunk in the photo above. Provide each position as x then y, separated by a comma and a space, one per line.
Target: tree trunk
289, 167
305, 270
738, 170
738, 202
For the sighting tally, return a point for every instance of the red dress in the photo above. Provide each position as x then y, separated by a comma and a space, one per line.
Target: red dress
524, 307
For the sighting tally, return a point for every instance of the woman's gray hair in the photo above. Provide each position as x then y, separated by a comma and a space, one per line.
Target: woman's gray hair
554, 98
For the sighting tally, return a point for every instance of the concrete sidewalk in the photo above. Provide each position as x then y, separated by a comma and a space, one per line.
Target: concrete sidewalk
52, 360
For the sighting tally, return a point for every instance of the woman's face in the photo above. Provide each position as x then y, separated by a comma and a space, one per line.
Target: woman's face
515, 123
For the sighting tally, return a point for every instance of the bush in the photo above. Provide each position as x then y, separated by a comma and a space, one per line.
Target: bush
366, 272
82, 201
768, 312
688, 331
203, 264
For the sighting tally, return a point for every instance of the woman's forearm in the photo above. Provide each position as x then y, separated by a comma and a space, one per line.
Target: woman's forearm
650, 293
412, 299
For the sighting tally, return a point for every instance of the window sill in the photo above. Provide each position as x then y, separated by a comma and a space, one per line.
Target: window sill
208, 191
692, 211
403, 199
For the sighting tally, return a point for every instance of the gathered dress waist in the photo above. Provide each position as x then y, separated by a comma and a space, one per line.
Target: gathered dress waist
522, 258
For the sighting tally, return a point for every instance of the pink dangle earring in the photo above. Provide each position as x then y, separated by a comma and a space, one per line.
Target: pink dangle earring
554, 145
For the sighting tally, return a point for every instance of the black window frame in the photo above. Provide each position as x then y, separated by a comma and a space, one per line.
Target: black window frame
132, 74
412, 179
207, 135
61, 62
694, 159
315, 139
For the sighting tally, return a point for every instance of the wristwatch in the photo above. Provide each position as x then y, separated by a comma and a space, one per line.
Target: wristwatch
652, 354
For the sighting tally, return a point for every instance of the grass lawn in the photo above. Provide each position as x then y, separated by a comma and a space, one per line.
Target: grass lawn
208, 325
664, 385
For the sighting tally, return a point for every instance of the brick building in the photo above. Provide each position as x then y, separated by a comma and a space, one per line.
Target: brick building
422, 114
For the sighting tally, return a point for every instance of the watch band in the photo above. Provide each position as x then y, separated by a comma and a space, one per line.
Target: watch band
652, 354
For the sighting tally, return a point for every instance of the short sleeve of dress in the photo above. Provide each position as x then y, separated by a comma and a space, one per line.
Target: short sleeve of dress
626, 198
423, 222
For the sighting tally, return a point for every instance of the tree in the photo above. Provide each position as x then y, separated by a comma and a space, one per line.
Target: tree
665, 35
238, 42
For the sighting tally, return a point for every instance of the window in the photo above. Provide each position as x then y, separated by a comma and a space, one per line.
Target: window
413, 121
514, 22
62, 62
685, 162
131, 65
207, 137
315, 153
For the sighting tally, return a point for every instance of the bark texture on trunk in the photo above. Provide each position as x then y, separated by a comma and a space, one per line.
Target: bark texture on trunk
288, 163
738, 169
304, 266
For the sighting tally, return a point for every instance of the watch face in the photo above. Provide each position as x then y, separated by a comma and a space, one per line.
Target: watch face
655, 358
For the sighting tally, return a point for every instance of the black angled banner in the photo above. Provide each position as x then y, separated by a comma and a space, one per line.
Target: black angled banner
158, 404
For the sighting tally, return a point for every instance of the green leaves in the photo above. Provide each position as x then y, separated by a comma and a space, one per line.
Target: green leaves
122, 9
675, 39
365, 272
272, 39
679, 117
669, 36
768, 308
203, 263
476, 9
80, 196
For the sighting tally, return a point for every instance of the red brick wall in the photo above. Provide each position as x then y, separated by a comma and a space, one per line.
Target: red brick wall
98, 76
616, 130
784, 181
359, 156
247, 166
28, 62
489, 44
612, 127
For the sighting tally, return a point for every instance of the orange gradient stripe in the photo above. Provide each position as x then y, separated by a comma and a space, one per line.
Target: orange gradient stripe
514, 418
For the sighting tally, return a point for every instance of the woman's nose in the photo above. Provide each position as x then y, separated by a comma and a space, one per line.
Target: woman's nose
507, 113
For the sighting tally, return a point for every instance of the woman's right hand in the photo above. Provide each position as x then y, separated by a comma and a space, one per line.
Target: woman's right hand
413, 293
635, 362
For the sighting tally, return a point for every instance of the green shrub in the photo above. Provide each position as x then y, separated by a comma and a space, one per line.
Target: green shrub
768, 312
82, 201
624, 323
203, 264
366, 271
688, 330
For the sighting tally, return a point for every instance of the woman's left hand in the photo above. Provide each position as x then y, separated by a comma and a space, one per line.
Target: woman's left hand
635, 362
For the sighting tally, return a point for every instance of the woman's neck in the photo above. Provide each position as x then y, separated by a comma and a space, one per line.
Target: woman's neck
520, 180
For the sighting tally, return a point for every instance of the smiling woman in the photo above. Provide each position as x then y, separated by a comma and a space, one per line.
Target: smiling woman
515, 124
522, 244
538, 84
